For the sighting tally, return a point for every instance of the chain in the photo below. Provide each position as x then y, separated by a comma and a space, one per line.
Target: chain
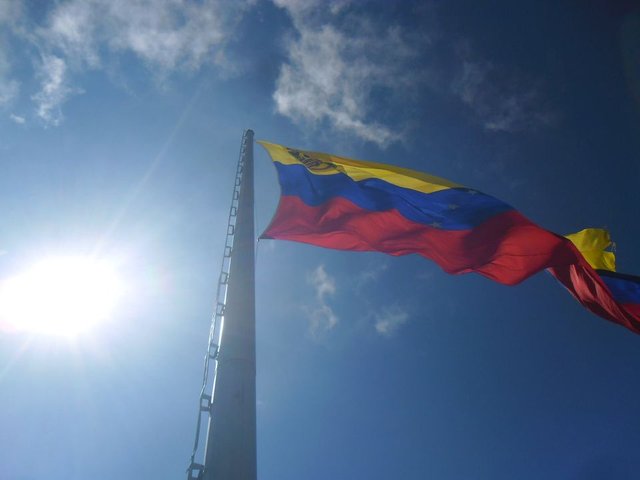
195, 469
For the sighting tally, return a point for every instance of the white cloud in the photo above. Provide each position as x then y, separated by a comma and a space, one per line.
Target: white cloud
8, 90
321, 320
167, 36
334, 68
168, 33
371, 274
323, 283
389, 320
9, 87
54, 89
343, 69
73, 29
500, 101
17, 119
303, 9
340, 68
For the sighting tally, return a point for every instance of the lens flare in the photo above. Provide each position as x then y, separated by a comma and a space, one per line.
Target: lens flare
60, 296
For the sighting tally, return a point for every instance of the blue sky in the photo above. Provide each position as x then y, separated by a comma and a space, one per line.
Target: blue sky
120, 125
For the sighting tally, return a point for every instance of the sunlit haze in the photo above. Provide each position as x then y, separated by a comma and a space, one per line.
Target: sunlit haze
60, 296
120, 132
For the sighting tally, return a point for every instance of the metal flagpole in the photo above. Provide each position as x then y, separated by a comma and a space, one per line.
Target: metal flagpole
230, 452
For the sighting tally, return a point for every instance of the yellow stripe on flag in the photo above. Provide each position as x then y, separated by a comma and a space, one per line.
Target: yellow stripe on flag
324, 164
592, 243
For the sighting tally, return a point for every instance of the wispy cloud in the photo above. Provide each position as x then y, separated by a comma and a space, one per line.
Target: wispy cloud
9, 87
500, 100
343, 69
335, 65
166, 36
9, 90
170, 34
323, 283
17, 119
54, 89
299, 9
322, 318
389, 320
371, 274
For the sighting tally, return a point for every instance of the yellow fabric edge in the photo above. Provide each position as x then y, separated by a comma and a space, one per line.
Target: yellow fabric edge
592, 243
361, 170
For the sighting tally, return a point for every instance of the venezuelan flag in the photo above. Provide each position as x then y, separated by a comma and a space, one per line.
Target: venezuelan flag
346, 204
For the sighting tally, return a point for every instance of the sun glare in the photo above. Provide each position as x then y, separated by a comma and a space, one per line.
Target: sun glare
60, 296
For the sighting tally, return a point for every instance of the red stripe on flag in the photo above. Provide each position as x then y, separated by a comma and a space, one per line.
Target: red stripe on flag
584, 283
633, 309
507, 248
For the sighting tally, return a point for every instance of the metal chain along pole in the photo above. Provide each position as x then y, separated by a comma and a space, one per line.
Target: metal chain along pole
240, 233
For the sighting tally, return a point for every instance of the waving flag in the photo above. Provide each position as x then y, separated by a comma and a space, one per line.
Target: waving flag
346, 204
594, 282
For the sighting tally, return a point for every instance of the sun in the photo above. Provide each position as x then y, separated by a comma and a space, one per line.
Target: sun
60, 296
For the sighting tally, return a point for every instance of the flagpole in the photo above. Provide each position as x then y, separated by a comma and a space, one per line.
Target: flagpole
231, 437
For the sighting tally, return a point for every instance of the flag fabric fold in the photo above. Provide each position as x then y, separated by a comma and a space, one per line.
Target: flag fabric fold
346, 204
